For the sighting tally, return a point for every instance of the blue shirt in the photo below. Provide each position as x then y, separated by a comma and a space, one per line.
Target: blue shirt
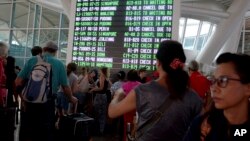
59, 75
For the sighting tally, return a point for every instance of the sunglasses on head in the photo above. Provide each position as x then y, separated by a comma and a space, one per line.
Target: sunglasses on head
221, 81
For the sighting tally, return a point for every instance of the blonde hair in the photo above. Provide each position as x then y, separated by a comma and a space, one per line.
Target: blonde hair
3, 49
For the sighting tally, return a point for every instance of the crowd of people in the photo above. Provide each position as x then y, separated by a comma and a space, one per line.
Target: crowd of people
169, 104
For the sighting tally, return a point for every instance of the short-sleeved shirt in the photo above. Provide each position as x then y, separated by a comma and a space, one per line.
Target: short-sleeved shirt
128, 86
199, 83
116, 86
59, 75
175, 120
72, 78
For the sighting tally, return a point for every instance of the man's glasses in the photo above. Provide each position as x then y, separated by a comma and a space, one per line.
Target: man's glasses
221, 81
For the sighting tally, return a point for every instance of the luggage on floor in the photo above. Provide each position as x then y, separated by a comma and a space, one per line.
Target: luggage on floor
75, 127
7, 123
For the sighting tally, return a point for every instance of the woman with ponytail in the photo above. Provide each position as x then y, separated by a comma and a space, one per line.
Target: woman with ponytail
171, 86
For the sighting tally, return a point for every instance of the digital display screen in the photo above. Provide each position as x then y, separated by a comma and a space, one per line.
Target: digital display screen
122, 34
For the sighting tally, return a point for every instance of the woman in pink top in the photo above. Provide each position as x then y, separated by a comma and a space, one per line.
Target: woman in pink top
132, 77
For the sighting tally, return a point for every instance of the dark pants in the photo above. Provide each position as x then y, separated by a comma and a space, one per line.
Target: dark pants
37, 122
100, 105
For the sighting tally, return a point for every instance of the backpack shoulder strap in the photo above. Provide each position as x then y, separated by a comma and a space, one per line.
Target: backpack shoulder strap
39, 58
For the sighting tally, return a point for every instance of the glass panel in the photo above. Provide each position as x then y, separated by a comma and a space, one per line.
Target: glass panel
5, 16
21, 15
29, 43
48, 35
247, 42
3, 25
37, 16
189, 43
35, 38
192, 27
65, 21
19, 37
181, 27
200, 42
50, 19
205, 28
214, 28
19, 62
4, 36
31, 16
240, 43
16, 50
191, 33
63, 43
4, 1
210, 34
247, 22
28, 51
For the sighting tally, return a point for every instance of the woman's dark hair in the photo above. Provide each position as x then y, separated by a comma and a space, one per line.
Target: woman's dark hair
132, 75
36, 50
241, 64
10, 71
121, 75
96, 74
17, 67
171, 55
84, 70
104, 71
71, 67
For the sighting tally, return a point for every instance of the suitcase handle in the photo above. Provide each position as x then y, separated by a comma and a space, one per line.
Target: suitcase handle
75, 107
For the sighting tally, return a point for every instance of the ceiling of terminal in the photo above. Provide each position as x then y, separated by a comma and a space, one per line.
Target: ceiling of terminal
55, 6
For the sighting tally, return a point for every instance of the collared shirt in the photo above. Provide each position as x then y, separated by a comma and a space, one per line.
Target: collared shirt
199, 83
59, 75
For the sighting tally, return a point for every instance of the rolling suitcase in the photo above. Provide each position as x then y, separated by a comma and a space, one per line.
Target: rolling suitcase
75, 127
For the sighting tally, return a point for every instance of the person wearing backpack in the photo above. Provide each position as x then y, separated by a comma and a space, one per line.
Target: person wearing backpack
41, 78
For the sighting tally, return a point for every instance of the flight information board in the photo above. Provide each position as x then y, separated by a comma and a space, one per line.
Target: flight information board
122, 34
